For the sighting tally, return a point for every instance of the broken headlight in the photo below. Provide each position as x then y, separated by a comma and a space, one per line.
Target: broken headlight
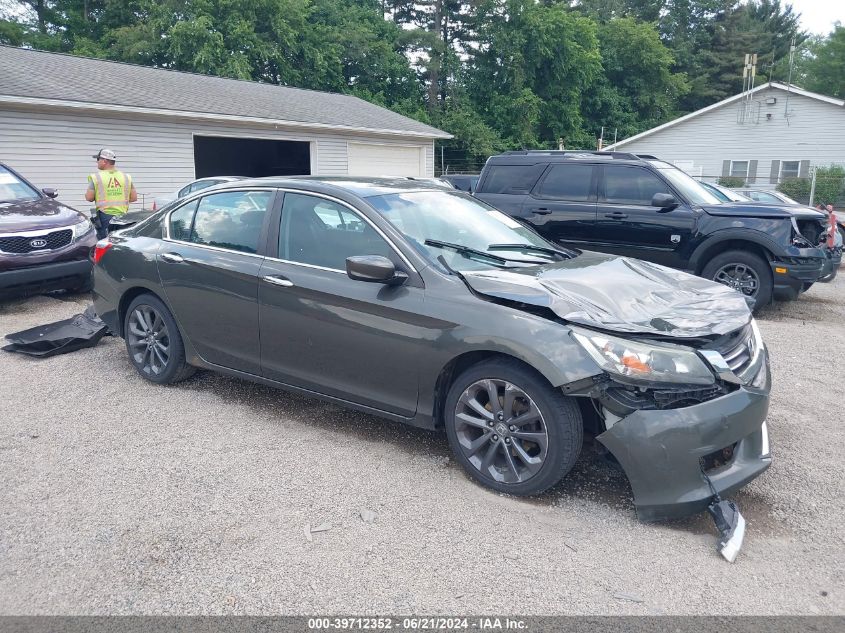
642, 361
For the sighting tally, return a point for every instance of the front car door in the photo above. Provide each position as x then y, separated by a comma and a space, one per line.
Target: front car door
562, 206
209, 265
627, 224
324, 332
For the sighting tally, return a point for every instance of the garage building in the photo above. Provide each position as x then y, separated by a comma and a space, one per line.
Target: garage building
168, 128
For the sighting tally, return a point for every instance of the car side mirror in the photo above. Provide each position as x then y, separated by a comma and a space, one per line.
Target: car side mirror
664, 202
50, 192
375, 269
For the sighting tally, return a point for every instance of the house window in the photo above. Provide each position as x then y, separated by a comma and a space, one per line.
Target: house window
789, 169
739, 168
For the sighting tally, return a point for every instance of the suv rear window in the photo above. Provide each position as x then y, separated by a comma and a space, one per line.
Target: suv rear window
512, 178
568, 182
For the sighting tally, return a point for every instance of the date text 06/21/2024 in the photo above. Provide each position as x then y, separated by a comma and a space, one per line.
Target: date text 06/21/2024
484, 623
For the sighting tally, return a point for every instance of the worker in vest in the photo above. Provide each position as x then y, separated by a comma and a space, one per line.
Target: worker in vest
110, 189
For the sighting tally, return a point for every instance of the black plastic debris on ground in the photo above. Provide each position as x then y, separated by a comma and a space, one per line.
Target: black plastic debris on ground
78, 332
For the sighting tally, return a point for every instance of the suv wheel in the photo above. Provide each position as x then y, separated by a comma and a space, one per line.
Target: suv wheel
153, 341
745, 272
510, 430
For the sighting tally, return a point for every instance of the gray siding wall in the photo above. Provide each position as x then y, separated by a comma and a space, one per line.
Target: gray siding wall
54, 149
814, 132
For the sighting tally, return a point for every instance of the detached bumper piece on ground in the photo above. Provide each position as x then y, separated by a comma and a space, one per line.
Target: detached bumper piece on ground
78, 332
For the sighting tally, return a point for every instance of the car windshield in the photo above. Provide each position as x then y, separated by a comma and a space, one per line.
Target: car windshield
466, 233
689, 187
13, 189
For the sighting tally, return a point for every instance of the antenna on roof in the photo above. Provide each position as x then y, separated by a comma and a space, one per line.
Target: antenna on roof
789, 81
749, 74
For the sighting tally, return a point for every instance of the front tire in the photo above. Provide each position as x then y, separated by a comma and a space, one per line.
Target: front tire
510, 430
745, 272
154, 343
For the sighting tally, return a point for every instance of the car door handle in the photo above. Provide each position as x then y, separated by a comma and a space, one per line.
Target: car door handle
542, 211
616, 215
175, 258
278, 281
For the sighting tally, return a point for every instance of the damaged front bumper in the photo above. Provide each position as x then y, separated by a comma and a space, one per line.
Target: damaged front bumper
663, 451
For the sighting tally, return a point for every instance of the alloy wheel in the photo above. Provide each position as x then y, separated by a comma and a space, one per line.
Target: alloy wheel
739, 277
501, 431
149, 340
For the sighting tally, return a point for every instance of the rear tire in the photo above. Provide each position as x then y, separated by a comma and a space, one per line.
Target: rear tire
742, 271
154, 343
521, 443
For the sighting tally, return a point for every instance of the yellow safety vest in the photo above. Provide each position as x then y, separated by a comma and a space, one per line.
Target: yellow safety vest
111, 191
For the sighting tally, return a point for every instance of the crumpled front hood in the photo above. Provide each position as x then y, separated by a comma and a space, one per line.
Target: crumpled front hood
620, 294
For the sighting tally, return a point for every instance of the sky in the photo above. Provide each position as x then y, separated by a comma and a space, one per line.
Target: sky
818, 16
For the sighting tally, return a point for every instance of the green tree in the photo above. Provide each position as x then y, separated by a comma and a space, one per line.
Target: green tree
638, 89
530, 69
822, 68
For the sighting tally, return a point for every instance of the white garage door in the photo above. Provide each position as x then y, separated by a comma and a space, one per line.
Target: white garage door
366, 159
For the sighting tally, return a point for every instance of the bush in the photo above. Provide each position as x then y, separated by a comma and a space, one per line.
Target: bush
829, 184
732, 181
797, 188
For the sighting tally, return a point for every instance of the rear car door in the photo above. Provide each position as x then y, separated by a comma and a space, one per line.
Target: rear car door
324, 332
562, 206
627, 224
209, 264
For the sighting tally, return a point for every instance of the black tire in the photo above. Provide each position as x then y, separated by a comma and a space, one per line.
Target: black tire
157, 354
560, 420
755, 266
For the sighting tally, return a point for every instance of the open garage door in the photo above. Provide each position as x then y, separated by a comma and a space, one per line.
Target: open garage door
250, 157
369, 159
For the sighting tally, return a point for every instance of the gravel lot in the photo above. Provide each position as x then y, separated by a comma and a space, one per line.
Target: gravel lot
120, 497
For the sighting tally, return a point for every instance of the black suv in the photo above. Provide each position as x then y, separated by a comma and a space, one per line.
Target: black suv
645, 208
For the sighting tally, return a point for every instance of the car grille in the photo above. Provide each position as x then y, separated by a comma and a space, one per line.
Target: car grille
19, 244
737, 348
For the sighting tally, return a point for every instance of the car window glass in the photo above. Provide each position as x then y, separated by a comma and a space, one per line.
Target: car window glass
568, 182
512, 178
319, 232
765, 197
180, 222
13, 188
203, 184
184, 191
232, 220
632, 185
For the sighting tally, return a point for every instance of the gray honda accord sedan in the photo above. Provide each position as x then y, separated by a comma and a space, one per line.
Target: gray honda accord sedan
426, 306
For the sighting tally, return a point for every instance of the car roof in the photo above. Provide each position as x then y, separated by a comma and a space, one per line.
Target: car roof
359, 186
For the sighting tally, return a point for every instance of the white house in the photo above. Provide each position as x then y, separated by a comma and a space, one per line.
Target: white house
770, 133
169, 127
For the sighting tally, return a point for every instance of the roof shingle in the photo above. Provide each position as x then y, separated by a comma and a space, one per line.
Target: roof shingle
34, 74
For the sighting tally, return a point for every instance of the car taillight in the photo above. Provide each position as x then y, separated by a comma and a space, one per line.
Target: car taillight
100, 249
